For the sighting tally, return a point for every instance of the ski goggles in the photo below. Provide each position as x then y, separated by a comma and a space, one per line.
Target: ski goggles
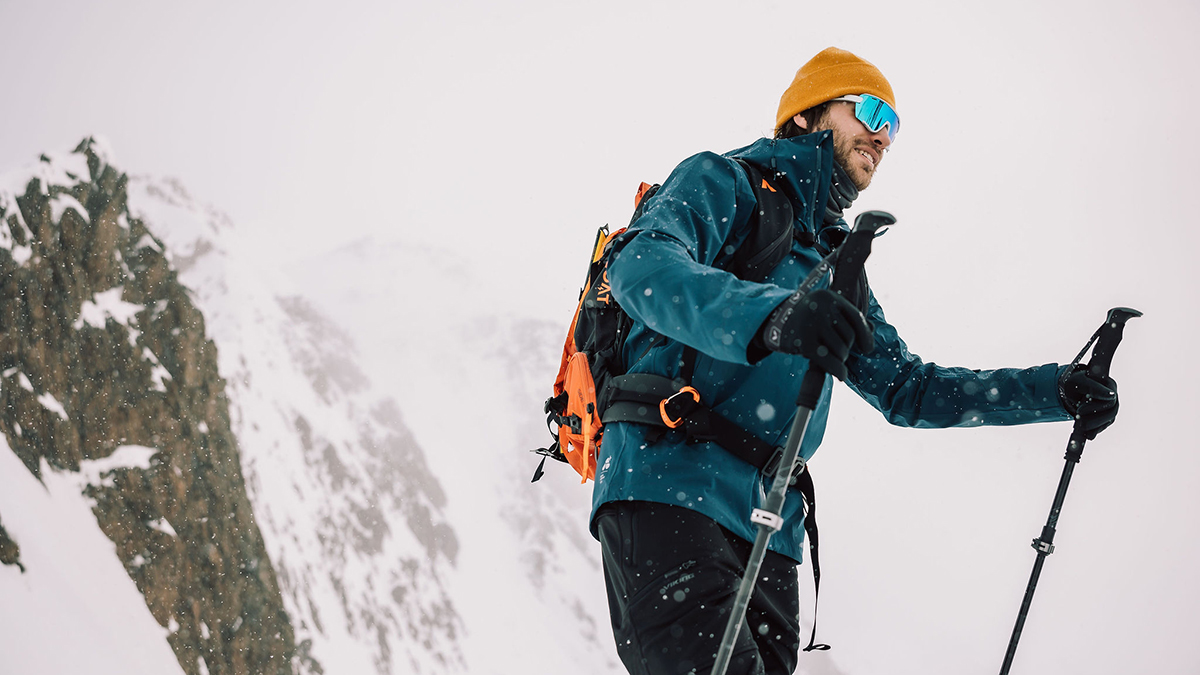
874, 113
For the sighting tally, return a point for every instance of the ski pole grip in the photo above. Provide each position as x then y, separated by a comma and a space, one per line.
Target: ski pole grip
1107, 339
856, 248
849, 266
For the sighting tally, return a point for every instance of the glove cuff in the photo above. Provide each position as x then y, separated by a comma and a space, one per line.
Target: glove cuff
772, 331
1063, 398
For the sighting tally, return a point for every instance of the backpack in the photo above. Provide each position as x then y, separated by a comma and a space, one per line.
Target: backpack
591, 379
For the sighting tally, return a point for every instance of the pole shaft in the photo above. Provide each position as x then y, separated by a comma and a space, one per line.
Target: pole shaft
742, 601
1016, 634
1074, 450
1106, 339
853, 253
774, 504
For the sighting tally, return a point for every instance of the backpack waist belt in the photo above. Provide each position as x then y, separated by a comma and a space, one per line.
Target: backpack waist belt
666, 404
663, 403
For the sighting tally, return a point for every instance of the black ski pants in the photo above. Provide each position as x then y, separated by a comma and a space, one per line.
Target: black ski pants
672, 575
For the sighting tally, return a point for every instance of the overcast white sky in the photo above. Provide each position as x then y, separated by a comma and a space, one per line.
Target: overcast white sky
1046, 172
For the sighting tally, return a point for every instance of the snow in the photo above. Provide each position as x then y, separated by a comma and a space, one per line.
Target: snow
105, 305
6, 240
342, 541
527, 564
102, 148
56, 168
50, 403
158, 373
94, 471
10, 214
62, 201
163, 526
22, 254
63, 169
75, 609
147, 242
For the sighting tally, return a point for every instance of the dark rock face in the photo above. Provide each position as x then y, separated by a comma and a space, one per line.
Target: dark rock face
101, 347
10, 551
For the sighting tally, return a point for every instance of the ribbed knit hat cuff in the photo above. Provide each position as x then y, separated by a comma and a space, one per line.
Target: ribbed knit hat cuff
842, 74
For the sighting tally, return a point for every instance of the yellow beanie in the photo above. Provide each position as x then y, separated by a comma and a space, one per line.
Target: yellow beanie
830, 74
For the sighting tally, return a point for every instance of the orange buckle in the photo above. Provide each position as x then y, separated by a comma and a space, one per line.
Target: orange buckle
662, 407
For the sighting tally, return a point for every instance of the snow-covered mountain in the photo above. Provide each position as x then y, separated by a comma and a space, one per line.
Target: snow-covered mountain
108, 373
352, 515
391, 493
472, 377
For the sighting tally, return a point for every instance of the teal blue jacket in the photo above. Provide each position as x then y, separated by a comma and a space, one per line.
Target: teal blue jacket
667, 274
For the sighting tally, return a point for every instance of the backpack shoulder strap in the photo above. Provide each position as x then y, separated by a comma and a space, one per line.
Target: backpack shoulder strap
770, 237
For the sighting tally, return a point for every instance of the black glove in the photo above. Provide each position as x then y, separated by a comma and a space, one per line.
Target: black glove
1091, 401
821, 326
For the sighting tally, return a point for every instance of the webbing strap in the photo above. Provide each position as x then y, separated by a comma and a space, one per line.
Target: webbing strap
804, 483
635, 397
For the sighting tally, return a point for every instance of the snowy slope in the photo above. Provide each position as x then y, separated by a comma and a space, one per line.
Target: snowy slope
351, 515
471, 376
74, 609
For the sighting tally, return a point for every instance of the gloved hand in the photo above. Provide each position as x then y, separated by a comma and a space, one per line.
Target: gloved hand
1093, 402
821, 326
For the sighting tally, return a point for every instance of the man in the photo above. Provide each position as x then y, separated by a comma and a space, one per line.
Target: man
672, 512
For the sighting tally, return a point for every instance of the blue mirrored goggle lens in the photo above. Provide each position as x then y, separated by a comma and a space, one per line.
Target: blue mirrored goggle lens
875, 113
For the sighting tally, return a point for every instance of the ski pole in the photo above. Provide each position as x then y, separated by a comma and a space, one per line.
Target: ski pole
1106, 338
853, 254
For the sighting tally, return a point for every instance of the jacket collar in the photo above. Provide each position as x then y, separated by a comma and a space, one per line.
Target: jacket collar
803, 165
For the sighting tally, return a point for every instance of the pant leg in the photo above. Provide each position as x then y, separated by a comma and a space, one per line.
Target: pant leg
773, 616
672, 575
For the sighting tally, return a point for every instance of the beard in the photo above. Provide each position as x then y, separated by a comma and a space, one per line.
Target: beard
844, 152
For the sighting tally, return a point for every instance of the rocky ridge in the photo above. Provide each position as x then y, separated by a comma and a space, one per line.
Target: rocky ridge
101, 348
284, 519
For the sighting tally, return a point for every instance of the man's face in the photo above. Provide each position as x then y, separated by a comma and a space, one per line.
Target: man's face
856, 149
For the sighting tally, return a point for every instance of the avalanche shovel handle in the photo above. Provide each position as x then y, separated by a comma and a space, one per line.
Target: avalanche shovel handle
1106, 339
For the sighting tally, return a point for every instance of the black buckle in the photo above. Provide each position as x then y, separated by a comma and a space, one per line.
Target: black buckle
772, 466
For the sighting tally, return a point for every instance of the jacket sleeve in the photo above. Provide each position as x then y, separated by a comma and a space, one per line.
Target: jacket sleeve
912, 393
662, 272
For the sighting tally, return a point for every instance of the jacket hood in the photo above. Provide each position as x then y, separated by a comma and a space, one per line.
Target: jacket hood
803, 165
